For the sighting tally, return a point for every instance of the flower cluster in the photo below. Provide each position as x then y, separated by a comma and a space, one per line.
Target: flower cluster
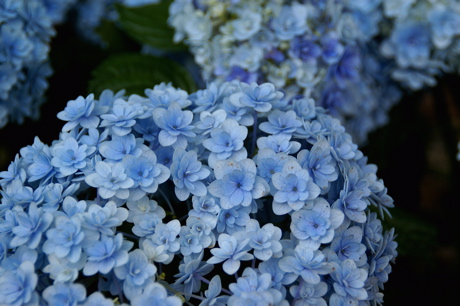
26, 28
235, 193
312, 48
423, 39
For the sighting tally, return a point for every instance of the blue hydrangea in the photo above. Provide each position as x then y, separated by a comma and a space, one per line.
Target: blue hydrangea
106, 254
292, 187
14, 172
350, 280
16, 46
231, 251
191, 273
163, 95
316, 224
145, 172
122, 117
30, 226
195, 236
61, 270
137, 273
188, 173
410, 44
286, 43
308, 263
279, 143
237, 183
23, 253
70, 157
103, 220
156, 222
281, 123
174, 124
420, 40
305, 48
290, 22
145, 224
259, 97
320, 164
26, 29
226, 142
206, 208
444, 24
233, 219
246, 25
18, 287
344, 54
347, 244
255, 288
64, 294
265, 240
39, 161
81, 111
66, 239
166, 237
111, 180
143, 206
120, 146
269, 162
308, 294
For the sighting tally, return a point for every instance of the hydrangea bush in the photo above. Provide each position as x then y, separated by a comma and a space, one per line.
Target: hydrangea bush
26, 28
320, 49
237, 193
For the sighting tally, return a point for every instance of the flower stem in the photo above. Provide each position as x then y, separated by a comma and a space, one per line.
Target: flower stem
83, 130
200, 277
128, 235
194, 296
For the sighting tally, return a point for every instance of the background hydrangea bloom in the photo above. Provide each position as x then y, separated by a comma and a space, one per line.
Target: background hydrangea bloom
354, 58
311, 48
422, 40
26, 28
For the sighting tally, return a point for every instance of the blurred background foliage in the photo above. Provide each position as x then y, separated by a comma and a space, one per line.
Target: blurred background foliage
415, 153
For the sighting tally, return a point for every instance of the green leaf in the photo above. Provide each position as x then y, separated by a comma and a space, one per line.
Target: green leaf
115, 39
136, 72
148, 25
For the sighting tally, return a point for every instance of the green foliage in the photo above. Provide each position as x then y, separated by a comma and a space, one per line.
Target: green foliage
135, 72
148, 25
114, 39
416, 237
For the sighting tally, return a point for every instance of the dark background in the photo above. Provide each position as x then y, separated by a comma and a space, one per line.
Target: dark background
415, 153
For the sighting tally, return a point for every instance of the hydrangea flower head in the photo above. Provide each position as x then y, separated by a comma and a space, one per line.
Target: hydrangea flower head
272, 192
